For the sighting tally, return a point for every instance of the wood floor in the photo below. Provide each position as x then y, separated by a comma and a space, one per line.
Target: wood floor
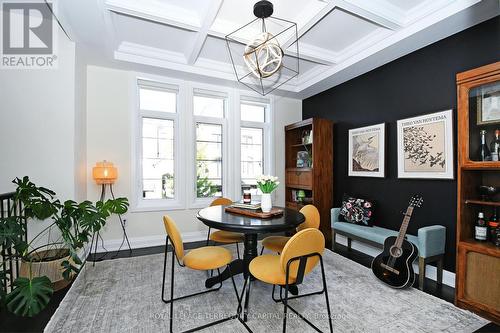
12, 323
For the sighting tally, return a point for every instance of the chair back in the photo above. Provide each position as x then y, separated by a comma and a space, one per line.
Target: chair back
174, 235
304, 242
221, 202
312, 217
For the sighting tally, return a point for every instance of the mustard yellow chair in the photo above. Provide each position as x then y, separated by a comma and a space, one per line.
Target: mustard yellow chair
221, 236
299, 257
277, 243
204, 258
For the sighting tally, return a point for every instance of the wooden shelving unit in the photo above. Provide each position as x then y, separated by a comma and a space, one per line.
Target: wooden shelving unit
478, 263
317, 180
482, 203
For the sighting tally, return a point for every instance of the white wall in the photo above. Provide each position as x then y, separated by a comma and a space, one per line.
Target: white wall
37, 126
109, 111
80, 126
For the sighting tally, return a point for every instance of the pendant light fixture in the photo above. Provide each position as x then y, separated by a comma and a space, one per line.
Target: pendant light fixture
264, 52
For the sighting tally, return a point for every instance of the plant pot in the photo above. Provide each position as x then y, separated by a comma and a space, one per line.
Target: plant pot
47, 263
266, 203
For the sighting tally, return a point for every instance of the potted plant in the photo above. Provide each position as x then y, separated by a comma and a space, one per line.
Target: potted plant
267, 184
47, 262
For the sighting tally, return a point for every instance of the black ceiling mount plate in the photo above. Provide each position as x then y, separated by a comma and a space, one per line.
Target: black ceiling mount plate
263, 9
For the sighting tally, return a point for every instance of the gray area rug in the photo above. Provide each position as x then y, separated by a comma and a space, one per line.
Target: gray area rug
124, 295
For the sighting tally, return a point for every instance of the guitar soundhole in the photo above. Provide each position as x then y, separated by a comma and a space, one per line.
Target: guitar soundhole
395, 251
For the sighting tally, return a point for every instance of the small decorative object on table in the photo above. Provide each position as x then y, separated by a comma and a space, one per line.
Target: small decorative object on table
247, 197
267, 184
487, 192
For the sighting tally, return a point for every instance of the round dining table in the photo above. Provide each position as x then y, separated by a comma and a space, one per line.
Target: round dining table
216, 217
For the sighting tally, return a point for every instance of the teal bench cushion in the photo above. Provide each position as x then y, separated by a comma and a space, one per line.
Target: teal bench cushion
374, 234
430, 240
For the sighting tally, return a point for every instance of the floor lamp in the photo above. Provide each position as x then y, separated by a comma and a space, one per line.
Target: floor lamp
105, 174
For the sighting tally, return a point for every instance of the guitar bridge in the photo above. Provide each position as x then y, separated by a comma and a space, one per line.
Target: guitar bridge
390, 269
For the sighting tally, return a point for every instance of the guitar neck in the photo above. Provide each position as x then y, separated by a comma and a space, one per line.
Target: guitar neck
404, 226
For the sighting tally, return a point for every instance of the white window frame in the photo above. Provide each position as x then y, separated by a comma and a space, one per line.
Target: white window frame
185, 141
138, 202
267, 139
210, 91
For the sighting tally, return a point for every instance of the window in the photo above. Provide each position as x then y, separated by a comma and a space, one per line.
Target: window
157, 158
208, 112
157, 100
208, 160
252, 137
253, 112
208, 106
194, 142
158, 116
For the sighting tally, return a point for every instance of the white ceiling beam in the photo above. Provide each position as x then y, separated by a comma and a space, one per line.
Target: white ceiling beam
375, 11
202, 34
146, 15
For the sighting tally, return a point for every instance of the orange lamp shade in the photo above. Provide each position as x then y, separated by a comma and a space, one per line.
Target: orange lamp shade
104, 173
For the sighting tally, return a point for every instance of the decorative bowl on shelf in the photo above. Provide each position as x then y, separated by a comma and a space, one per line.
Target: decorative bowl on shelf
487, 192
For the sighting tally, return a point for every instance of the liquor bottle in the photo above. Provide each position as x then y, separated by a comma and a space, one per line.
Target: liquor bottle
495, 146
481, 230
492, 226
484, 152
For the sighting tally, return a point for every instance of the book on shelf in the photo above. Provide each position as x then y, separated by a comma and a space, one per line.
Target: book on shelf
254, 205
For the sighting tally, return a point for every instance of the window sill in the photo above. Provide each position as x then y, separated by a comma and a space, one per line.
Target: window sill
156, 206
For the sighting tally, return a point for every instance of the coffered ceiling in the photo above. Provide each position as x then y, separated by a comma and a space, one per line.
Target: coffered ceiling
339, 39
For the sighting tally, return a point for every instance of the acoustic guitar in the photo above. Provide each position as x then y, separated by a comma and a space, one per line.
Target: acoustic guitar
394, 265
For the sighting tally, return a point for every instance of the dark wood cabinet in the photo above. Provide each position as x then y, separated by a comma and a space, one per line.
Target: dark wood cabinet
315, 176
478, 263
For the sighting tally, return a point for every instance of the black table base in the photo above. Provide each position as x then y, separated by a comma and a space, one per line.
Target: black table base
216, 217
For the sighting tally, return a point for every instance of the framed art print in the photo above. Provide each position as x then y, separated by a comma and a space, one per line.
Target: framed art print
425, 146
367, 151
488, 105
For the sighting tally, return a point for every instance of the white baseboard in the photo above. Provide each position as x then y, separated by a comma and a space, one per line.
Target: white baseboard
430, 271
148, 241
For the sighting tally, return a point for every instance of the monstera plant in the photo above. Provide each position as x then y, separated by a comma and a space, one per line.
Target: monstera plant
75, 222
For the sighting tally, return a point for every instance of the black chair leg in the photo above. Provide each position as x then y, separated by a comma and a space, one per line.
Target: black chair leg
164, 275
248, 283
286, 299
285, 303
172, 291
294, 297
238, 250
325, 288
208, 236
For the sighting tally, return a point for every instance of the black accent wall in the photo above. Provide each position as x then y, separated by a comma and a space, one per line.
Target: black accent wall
419, 83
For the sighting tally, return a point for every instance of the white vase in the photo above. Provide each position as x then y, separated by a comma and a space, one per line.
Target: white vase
265, 202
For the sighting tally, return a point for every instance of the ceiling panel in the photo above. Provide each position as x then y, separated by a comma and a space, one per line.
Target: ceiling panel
235, 13
215, 49
405, 5
338, 30
148, 33
190, 12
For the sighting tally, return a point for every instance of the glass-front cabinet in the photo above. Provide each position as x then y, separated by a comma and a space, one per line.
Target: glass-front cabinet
484, 122
478, 205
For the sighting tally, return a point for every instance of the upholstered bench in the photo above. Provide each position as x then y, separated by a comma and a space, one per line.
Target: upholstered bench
430, 241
